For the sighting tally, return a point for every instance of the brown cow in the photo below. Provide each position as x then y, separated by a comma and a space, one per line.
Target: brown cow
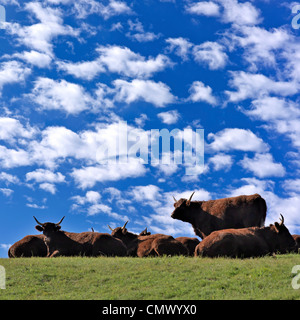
148, 245
29, 246
208, 216
189, 243
247, 242
62, 243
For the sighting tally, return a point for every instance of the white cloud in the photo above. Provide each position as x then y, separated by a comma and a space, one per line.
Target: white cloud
180, 46
7, 192
211, 54
205, 8
87, 177
263, 165
11, 158
49, 187
39, 36
138, 33
12, 72
199, 92
44, 175
116, 59
260, 45
221, 161
11, 129
236, 139
169, 117
123, 61
240, 13
41, 60
61, 95
250, 85
292, 185
87, 70
9, 178
272, 109
156, 93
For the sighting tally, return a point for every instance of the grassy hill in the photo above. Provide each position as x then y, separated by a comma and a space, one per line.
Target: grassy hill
150, 278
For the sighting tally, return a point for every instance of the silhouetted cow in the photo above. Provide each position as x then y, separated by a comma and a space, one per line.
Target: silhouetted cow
247, 242
62, 243
149, 245
29, 246
208, 216
189, 243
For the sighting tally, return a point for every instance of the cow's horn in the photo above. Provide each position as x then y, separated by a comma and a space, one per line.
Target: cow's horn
281, 219
110, 228
37, 221
58, 223
191, 196
124, 225
174, 199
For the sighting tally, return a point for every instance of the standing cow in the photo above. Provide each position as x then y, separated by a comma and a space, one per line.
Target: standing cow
29, 246
62, 243
208, 216
148, 245
247, 242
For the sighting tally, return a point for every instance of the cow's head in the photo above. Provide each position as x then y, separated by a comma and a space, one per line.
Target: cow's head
180, 207
286, 240
123, 234
145, 233
48, 227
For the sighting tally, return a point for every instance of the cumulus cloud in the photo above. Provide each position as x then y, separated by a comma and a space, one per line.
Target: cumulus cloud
156, 93
169, 117
221, 161
39, 36
211, 54
116, 59
263, 165
12, 72
199, 92
229, 11
180, 46
252, 85
205, 8
87, 177
61, 95
236, 139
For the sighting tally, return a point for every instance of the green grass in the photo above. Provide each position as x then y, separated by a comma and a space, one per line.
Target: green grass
150, 278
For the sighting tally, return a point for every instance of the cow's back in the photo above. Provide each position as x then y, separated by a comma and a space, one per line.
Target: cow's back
29, 246
232, 243
237, 212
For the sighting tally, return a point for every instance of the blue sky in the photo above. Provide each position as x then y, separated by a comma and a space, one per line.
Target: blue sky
70, 71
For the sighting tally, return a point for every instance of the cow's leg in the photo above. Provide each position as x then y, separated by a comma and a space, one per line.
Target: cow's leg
55, 253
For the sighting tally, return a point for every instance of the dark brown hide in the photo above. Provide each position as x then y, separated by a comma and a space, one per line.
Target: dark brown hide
29, 246
247, 242
208, 216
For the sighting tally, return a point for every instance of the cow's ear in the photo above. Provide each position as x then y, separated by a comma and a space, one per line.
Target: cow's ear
39, 228
58, 228
188, 202
124, 231
277, 227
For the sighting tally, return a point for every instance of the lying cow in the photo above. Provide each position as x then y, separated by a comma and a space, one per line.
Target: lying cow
247, 242
208, 216
29, 246
189, 243
62, 243
149, 245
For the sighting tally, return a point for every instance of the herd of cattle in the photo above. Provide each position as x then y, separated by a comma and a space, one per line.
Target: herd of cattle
232, 227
